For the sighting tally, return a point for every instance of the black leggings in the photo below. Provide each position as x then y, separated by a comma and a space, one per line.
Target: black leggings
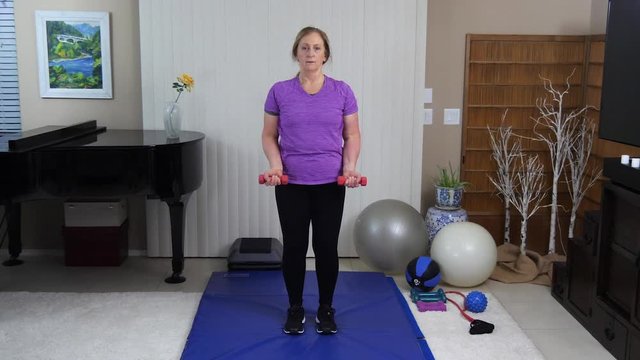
322, 206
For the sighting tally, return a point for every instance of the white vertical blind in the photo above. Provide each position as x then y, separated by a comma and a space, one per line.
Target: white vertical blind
9, 94
235, 51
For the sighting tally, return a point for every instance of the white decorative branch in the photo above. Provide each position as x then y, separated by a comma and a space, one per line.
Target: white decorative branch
555, 128
527, 193
504, 152
578, 158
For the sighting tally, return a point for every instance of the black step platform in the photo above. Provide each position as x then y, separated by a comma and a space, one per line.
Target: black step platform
255, 253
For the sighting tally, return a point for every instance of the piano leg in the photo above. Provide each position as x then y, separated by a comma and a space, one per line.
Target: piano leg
177, 215
13, 230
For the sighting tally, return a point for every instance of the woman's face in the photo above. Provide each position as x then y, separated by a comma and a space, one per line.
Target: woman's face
310, 53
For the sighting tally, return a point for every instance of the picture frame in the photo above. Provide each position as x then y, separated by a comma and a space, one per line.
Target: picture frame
74, 54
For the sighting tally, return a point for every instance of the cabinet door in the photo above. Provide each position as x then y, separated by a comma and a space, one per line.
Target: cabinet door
581, 273
619, 269
620, 279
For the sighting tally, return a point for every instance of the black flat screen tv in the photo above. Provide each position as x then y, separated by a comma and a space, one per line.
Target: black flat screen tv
620, 99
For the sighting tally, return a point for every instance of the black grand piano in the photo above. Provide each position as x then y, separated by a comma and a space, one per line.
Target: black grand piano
90, 161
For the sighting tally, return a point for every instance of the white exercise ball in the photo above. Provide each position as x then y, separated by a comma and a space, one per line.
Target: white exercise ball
466, 253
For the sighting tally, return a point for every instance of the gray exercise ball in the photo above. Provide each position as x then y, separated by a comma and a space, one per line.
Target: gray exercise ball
388, 234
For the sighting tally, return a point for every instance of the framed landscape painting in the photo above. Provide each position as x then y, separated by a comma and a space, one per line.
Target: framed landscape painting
74, 57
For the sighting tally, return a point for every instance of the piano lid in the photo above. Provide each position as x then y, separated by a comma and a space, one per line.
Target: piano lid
46, 136
116, 138
89, 135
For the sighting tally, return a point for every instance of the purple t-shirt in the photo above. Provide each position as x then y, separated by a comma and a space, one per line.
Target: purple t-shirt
310, 128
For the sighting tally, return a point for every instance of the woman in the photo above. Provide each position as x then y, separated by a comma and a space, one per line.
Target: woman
311, 134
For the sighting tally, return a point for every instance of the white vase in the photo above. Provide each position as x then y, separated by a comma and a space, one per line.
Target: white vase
172, 119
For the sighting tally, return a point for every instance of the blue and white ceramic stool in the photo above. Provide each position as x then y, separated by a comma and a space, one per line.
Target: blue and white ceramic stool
437, 218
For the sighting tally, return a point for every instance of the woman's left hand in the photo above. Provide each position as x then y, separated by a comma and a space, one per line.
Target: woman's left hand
352, 178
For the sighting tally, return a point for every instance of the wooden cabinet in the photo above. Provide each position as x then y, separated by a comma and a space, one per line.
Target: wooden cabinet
617, 283
603, 266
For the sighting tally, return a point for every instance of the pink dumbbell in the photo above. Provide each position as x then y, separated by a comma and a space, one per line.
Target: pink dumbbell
284, 180
431, 306
342, 180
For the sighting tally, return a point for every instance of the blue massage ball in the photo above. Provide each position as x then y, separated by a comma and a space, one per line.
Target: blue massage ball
475, 302
423, 273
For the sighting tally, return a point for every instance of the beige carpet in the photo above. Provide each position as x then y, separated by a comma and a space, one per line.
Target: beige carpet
155, 325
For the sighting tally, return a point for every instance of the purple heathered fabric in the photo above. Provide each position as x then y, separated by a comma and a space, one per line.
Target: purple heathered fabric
310, 128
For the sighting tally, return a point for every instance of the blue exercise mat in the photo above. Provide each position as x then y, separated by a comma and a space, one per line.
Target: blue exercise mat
241, 314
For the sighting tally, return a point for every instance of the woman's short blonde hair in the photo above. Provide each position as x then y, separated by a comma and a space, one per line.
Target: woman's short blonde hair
306, 31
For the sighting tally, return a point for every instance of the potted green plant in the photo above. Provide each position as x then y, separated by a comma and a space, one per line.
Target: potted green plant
449, 188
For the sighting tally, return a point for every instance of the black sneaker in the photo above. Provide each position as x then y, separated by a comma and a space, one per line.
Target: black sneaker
326, 324
295, 321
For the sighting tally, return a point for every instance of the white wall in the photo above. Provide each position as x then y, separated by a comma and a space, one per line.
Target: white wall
599, 10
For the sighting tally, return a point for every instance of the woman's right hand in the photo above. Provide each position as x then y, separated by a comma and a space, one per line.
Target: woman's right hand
272, 177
